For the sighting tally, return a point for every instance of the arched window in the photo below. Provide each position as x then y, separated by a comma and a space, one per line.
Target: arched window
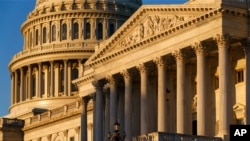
111, 29
61, 80
100, 31
53, 33
36, 37
75, 31
74, 75
44, 34
88, 31
42, 83
64, 31
33, 79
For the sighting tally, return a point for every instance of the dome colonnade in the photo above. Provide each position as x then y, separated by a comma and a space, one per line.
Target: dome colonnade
58, 37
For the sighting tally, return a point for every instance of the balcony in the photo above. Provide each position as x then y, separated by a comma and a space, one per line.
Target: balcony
160, 136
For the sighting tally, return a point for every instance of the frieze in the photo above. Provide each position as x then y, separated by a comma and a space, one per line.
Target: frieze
153, 25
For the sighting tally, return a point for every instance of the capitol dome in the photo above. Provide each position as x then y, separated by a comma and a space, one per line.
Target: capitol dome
59, 36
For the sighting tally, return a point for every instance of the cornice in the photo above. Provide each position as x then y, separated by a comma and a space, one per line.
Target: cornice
102, 55
85, 79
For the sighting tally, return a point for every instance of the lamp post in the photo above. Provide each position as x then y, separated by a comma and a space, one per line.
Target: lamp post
116, 136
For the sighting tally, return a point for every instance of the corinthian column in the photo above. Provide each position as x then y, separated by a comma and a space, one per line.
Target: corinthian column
128, 105
144, 99
84, 119
113, 101
201, 89
247, 56
224, 84
180, 100
98, 114
161, 95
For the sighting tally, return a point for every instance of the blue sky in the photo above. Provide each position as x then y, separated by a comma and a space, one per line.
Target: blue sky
12, 14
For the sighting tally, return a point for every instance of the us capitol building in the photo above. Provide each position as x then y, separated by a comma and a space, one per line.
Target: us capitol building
164, 72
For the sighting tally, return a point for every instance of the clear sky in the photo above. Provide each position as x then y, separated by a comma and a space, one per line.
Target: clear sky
12, 14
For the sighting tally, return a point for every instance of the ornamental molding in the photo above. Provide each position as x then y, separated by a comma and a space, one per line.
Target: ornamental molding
148, 25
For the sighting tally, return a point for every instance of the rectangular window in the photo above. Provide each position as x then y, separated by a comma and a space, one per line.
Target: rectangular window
239, 76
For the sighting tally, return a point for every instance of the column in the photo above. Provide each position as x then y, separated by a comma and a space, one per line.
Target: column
29, 82
65, 82
46, 80
69, 78
180, 93
84, 133
107, 111
98, 114
21, 85
113, 101
247, 56
12, 88
128, 104
201, 88
80, 68
39, 84
51, 78
16, 87
144, 96
161, 95
224, 84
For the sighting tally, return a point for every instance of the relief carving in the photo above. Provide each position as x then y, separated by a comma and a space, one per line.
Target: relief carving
153, 25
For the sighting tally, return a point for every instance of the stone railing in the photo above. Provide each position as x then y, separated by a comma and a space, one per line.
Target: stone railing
55, 113
237, 3
54, 47
159, 136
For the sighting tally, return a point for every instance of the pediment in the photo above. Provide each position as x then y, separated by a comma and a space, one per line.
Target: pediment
147, 23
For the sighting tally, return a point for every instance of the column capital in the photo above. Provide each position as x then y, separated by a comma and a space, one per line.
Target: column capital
222, 40
198, 48
159, 61
178, 55
142, 68
126, 74
97, 84
111, 79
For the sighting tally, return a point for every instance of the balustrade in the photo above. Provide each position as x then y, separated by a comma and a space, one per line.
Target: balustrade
160, 136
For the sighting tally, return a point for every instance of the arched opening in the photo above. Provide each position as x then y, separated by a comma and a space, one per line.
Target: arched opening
36, 39
100, 31
75, 31
87, 31
64, 32
74, 75
61, 80
44, 34
53, 33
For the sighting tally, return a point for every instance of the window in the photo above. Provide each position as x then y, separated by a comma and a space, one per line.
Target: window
75, 31
61, 80
111, 29
44, 34
30, 39
74, 75
53, 33
99, 31
33, 85
239, 76
42, 83
36, 37
87, 31
64, 31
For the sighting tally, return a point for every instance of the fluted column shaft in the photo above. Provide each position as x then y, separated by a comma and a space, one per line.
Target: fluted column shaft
247, 56
224, 84
113, 101
39, 94
16, 87
161, 95
98, 117
65, 82
201, 89
144, 99
128, 105
107, 112
29, 82
84, 134
22, 97
12, 88
180, 100
51, 78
